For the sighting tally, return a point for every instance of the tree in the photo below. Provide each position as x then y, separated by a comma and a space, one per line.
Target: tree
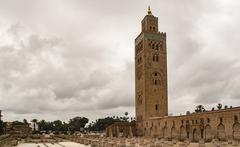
64, 127
25, 121
1, 127
125, 118
17, 123
57, 125
77, 123
200, 108
219, 106
34, 121
101, 124
41, 124
1, 123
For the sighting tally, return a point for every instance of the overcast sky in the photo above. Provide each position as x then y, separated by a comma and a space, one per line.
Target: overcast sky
66, 58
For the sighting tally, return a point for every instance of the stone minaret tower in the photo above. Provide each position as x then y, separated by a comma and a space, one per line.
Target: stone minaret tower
151, 96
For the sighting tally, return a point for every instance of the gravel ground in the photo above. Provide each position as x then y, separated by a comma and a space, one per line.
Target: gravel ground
61, 144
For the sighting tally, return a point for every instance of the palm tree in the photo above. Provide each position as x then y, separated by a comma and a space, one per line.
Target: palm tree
34, 121
42, 125
200, 108
219, 106
126, 118
25, 121
226, 106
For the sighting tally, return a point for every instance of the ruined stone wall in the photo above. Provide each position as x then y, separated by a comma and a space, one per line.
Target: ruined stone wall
219, 124
121, 129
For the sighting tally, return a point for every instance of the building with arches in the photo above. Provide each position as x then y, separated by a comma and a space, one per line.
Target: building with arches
151, 97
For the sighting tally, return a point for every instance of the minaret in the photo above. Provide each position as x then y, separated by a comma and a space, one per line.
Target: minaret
151, 96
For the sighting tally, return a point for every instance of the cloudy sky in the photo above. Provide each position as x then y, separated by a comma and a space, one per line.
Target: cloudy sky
65, 58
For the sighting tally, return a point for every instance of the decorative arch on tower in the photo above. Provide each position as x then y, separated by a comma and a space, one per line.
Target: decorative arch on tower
155, 57
157, 79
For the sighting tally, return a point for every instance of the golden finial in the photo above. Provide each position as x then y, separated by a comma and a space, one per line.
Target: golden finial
149, 11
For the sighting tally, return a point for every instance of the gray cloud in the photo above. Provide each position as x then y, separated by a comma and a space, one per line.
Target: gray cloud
64, 58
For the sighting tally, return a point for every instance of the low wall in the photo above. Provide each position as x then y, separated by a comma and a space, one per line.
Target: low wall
7, 141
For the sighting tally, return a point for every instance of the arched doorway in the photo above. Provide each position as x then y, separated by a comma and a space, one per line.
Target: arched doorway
164, 132
183, 133
151, 132
208, 134
221, 132
236, 131
196, 135
173, 133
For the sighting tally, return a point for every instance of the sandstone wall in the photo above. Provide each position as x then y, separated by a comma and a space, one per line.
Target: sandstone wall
219, 124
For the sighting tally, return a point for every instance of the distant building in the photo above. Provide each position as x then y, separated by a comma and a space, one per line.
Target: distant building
17, 128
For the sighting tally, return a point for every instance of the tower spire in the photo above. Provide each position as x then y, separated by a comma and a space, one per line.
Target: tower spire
149, 11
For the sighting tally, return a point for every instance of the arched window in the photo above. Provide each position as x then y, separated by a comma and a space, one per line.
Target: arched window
221, 119
156, 79
155, 82
155, 58
161, 47
153, 28
157, 47
235, 118
153, 45
208, 120
150, 28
